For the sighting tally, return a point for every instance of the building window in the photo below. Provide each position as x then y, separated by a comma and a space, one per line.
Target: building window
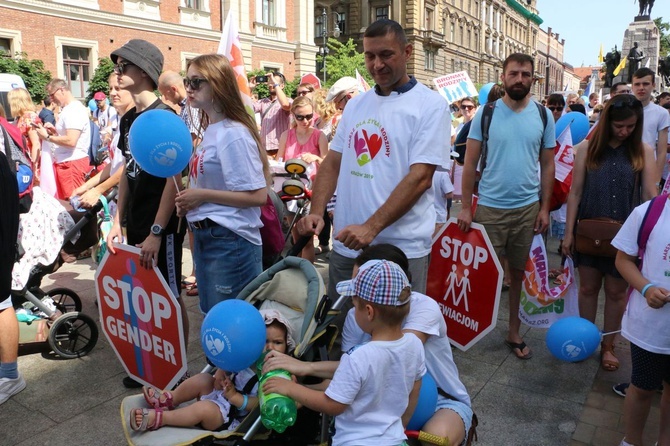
195, 4
6, 45
430, 60
318, 26
381, 12
430, 19
269, 9
461, 34
341, 19
452, 32
476, 47
76, 67
469, 38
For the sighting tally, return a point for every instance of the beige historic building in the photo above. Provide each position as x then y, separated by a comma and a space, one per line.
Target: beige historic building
447, 35
549, 62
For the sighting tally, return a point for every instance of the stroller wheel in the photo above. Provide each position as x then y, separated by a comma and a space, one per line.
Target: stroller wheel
73, 335
65, 299
293, 188
295, 166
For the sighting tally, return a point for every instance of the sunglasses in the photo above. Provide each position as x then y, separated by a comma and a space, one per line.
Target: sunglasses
304, 93
303, 117
467, 107
554, 108
194, 82
120, 68
626, 100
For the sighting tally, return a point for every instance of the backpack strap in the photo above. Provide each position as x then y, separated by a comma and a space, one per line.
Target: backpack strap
487, 115
650, 219
543, 115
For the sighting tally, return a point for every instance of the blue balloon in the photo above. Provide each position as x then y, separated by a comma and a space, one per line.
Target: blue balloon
579, 126
233, 335
425, 407
160, 142
92, 105
484, 93
573, 339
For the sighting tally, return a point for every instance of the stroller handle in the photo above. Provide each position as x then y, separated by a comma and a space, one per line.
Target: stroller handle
90, 213
299, 245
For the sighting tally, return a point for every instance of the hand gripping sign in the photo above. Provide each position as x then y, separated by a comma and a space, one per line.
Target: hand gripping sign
464, 277
141, 318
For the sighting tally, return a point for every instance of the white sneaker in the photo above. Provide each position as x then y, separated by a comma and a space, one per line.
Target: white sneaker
10, 387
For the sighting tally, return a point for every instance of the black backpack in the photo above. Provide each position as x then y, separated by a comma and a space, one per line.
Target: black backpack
460, 143
96, 156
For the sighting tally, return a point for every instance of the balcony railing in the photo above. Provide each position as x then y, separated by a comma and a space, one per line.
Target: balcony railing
270, 32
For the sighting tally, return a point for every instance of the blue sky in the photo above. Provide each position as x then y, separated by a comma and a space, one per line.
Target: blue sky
585, 24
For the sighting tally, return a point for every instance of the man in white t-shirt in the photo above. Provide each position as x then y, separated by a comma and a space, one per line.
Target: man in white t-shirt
656, 118
388, 143
106, 117
70, 139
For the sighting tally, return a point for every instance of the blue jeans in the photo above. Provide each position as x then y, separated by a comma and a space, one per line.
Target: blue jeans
226, 263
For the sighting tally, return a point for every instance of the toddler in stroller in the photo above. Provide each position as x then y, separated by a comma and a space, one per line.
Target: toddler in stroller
222, 400
49, 235
292, 287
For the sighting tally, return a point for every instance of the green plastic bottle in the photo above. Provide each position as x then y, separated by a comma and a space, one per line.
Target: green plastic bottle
277, 411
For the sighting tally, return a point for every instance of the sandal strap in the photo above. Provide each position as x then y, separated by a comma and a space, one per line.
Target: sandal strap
158, 420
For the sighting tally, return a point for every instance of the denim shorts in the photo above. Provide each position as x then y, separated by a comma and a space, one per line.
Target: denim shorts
225, 263
463, 410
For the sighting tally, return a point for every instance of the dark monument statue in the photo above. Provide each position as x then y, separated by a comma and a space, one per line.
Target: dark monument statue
664, 70
612, 60
645, 7
635, 55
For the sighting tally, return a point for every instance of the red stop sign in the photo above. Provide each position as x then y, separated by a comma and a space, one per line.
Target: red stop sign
464, 277
141, 318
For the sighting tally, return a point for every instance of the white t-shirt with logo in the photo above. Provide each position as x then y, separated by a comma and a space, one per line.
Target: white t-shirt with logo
227, 159
646, 327
379, 138
73, 116
425, 317
375, 381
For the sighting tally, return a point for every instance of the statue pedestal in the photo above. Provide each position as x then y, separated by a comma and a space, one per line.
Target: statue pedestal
646, 34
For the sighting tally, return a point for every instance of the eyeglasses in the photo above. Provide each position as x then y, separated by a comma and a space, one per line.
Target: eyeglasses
120, 68
303, 117
344, 98
555, 108
467, 107
625, 100
194, 82
51, 95
303, 93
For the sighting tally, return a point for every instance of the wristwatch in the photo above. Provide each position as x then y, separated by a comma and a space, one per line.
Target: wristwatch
157, 229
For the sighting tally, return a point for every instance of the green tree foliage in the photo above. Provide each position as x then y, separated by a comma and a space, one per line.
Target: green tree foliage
664, 28
32, 71
344, 59
100, 78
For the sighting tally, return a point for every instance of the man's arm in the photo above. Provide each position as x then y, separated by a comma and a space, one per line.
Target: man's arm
402, 198
412, 402
473, 150
661, 152
324, 188
547, 174
68, 140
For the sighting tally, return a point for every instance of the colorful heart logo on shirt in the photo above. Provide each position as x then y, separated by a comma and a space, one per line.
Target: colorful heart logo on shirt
374, 143
366, 147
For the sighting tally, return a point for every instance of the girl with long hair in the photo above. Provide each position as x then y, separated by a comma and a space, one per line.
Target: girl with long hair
228, 182
22, 109
613, 171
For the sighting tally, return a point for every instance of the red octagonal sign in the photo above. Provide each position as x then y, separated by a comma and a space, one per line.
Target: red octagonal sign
464, 277
141, 318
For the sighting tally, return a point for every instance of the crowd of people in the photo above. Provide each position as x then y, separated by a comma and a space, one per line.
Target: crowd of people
383, 177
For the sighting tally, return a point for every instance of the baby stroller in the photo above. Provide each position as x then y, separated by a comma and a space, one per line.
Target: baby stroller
54, 318
294, 287
293, 187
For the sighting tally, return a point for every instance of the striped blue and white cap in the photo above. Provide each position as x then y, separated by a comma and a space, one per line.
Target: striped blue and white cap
378, 281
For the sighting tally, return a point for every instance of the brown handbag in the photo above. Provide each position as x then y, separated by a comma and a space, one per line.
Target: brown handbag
593, 236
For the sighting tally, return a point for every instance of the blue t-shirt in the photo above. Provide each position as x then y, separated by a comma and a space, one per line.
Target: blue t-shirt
511, 178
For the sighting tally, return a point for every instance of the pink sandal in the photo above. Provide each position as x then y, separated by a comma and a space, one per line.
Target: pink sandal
144, 425
154, 398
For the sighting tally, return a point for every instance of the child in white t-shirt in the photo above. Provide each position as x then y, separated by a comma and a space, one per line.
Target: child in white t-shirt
645, 322
375, 387
444, 192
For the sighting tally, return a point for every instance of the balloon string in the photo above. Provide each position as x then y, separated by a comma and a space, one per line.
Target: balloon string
177, 186
611, 332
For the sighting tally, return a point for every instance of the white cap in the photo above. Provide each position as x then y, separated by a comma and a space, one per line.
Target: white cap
344, 84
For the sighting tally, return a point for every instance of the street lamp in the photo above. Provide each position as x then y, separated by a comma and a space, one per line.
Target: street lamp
323, 50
